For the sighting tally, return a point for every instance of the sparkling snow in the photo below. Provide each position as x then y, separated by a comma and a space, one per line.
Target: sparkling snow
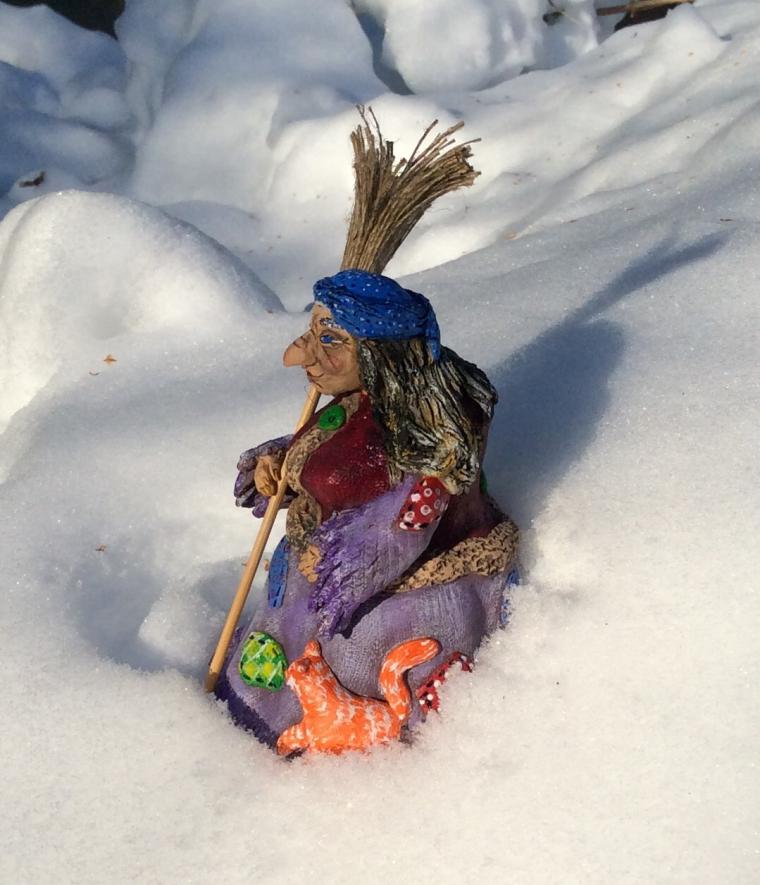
604, 270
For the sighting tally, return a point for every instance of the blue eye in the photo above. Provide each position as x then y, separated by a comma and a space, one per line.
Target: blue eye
327, 339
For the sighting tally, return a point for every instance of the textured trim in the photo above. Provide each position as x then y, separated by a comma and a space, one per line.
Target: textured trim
304, 513
480, 556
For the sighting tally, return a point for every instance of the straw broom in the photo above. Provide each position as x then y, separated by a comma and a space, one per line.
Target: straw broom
390, 197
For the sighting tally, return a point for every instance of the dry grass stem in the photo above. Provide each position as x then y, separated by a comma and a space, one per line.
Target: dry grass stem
391, 196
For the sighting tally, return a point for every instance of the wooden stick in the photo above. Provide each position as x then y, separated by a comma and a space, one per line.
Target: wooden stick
638, 6
246, 579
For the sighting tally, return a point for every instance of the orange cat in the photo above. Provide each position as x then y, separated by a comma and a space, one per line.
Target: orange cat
335, 719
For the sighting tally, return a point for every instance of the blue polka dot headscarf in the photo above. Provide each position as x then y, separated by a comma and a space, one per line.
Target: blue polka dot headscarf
368, 305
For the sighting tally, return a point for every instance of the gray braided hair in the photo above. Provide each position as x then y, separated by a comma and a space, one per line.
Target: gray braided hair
434, 414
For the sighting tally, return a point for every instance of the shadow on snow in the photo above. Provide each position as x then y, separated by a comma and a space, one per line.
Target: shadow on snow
554, 391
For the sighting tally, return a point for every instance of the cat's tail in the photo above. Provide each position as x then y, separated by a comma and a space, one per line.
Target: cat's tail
398, 660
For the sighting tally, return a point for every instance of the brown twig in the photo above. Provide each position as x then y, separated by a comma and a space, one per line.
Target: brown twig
638, 6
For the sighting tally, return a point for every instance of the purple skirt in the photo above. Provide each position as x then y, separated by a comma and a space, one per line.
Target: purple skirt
458, 614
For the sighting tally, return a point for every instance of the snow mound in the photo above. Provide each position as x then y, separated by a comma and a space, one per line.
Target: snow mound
442, 45
62, 99
69, 58
223, 132
81, 271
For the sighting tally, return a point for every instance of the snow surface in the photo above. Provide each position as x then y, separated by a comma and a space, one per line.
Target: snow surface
604, 270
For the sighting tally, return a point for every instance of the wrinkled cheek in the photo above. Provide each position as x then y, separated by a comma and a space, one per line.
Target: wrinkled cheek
333, 365
325, 364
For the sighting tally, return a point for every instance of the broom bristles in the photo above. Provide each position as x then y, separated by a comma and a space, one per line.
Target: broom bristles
390, 197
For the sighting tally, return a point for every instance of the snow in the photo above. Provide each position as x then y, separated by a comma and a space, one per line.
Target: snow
603, 270
438, 45
61, 95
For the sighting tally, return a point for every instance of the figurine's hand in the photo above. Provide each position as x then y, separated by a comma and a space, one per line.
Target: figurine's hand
307, 564
256, 473
259, 471
266, 474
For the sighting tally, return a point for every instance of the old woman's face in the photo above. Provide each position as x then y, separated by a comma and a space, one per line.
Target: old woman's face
327, 353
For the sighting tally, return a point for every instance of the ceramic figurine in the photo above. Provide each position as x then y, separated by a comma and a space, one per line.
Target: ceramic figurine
395, 559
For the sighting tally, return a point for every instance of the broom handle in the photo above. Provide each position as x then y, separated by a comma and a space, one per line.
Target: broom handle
246, 579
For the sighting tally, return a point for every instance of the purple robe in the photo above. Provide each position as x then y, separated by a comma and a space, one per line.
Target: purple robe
352, 609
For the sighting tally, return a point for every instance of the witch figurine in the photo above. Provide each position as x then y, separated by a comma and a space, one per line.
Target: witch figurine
395, 560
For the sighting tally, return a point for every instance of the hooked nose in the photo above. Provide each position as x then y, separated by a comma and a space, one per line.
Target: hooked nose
299, 353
